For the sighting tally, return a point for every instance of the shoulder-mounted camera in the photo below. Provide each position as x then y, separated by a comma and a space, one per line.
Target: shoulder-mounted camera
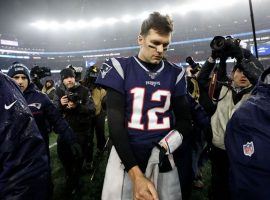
40, 72
226, 47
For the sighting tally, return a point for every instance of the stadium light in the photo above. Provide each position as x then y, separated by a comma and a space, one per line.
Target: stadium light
143, 15
69, 25
42, 25
97, 22
166, 10
111, 21
198, 5
126, 18
81, 24
54, 25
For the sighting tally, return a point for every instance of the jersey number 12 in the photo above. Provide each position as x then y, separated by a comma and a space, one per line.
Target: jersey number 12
137, 109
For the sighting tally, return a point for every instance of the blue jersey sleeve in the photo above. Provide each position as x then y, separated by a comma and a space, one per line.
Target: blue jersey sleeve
112, 75
180, 84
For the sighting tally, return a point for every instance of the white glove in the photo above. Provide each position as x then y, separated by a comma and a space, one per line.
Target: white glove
171, 141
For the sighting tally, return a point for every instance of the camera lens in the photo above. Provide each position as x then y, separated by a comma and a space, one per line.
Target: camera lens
217, 43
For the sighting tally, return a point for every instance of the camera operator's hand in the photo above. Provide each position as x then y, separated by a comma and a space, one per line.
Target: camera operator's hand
64, 100
71, 105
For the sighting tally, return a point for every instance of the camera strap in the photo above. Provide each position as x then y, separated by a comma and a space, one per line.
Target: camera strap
212, 85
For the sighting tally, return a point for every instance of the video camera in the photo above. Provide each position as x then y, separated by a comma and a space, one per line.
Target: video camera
226, 47
40, 72
195, 66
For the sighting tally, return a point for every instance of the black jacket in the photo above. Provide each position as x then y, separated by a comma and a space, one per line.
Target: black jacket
78, 118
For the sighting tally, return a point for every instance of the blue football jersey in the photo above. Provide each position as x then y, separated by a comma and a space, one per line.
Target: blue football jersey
148, 110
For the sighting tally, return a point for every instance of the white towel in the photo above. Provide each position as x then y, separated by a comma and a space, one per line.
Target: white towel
118, 186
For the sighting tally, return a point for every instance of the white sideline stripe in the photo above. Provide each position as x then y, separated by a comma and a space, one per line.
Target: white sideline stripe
52, 145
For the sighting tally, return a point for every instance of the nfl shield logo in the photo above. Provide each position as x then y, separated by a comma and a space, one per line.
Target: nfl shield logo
248, 149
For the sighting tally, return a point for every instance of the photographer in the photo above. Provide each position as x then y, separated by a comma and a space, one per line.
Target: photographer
200, 122
38, 73
98, 123
76, 104
221, 97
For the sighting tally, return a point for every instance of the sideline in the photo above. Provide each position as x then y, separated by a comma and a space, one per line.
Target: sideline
52, 145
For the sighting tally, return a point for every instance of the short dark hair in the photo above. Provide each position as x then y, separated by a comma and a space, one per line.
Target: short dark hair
163, 24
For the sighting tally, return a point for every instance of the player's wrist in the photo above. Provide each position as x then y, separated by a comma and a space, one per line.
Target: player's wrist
135, 173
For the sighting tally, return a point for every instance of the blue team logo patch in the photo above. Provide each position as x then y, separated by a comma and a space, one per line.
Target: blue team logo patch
248, 149
105, 69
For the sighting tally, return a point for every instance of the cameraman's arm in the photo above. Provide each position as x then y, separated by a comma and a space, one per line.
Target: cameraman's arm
203, 82
57, 100
222, 72
204, 74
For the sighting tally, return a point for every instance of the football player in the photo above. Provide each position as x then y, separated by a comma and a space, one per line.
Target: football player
145, 101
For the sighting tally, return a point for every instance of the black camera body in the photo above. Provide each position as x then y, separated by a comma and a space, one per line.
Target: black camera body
195, 66
226, 47
73, 96
40, 72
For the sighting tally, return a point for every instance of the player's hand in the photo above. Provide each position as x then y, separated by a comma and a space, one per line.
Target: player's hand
64, 100
143, 189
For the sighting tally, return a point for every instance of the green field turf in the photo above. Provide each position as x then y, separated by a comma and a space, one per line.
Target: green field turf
91, 190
